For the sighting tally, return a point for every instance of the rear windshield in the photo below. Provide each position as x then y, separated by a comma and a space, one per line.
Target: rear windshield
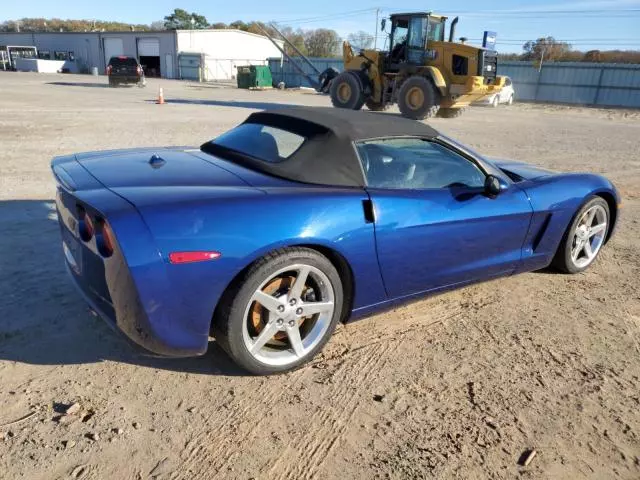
264, 142
119, 61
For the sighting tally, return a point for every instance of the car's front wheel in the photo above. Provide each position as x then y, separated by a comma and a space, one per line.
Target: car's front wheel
584, 238
282, 311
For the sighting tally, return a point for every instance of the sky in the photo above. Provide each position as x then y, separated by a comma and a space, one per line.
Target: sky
587, 24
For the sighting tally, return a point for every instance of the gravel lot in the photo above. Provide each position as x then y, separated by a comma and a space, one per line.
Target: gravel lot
458, 385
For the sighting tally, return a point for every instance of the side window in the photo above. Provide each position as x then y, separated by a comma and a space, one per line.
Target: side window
507, 82
413, 163
267, 143
460, 65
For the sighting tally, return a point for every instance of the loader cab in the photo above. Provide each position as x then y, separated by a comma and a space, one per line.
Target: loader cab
410, 35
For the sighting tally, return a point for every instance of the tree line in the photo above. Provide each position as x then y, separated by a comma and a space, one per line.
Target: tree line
548, 49
318, 42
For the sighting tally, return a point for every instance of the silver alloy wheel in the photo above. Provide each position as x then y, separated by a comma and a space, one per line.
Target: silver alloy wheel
588, 236
293, 324
510, 102
495, 102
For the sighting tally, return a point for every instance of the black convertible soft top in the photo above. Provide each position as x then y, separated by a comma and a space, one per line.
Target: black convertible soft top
328, 156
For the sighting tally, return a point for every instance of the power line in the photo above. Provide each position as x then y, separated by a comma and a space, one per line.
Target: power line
326, 17
518, 13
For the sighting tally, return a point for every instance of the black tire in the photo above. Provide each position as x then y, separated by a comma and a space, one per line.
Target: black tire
229, 319
450, 112
376, 106
430, 98
562, 260
347, 91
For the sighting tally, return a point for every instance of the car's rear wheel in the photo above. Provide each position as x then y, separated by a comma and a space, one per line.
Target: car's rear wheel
510, 101
282, 312
584, 238
495, 102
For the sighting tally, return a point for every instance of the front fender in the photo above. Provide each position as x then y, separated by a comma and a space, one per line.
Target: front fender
555, 200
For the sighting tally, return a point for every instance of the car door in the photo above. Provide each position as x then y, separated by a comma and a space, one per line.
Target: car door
434, 224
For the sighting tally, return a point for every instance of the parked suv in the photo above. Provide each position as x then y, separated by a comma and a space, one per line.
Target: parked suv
125, 70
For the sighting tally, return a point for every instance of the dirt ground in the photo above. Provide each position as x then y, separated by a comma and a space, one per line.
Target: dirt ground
455, 386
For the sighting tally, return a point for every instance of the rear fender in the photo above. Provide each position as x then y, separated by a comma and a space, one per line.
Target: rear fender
245, 229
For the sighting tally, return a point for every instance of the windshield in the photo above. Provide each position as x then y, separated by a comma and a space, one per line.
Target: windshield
400, 32
264, 142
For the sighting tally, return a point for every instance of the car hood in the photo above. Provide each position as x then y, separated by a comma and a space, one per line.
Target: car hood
521, 169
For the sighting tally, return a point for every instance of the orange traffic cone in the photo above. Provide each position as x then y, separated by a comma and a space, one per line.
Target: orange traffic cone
160, 100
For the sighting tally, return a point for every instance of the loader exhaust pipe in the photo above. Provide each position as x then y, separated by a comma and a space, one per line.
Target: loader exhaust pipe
452, 30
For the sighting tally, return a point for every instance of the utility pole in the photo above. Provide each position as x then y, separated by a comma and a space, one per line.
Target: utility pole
375, 31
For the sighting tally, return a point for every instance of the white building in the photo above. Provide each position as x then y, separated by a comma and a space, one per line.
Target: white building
188, 54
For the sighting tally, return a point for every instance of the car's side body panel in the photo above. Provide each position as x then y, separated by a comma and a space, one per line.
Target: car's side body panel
429, 239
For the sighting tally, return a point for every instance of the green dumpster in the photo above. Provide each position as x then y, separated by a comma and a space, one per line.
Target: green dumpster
254, 76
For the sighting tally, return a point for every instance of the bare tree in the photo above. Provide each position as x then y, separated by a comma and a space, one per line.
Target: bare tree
360, 40
321, 42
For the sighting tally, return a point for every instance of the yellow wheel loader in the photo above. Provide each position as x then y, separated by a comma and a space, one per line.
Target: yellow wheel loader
421, 72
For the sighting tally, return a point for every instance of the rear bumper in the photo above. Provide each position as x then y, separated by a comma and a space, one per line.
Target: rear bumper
113, 79
130, 288
130, 320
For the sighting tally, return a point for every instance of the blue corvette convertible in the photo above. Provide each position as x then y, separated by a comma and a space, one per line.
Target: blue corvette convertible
269, 235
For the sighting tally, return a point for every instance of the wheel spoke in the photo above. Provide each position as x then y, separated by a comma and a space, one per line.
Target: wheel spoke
299, 283
267, 301
295, 341
316, 307
597, 229
576, 250
589, 217
266, 334
587, 249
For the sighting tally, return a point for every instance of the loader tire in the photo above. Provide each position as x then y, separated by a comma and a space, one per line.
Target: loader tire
347, 91
418, 98
376, 106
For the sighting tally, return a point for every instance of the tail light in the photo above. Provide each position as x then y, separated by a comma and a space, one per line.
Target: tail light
85, 225
109, 68
107, 241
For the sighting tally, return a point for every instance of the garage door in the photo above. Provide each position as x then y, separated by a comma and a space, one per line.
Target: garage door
148, 47
112, 48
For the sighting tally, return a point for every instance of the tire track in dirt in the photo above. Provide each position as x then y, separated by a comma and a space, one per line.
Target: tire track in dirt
210, 450
350, 380
320, 440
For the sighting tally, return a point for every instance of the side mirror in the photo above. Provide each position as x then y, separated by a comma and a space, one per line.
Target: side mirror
383, 23
492, 186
